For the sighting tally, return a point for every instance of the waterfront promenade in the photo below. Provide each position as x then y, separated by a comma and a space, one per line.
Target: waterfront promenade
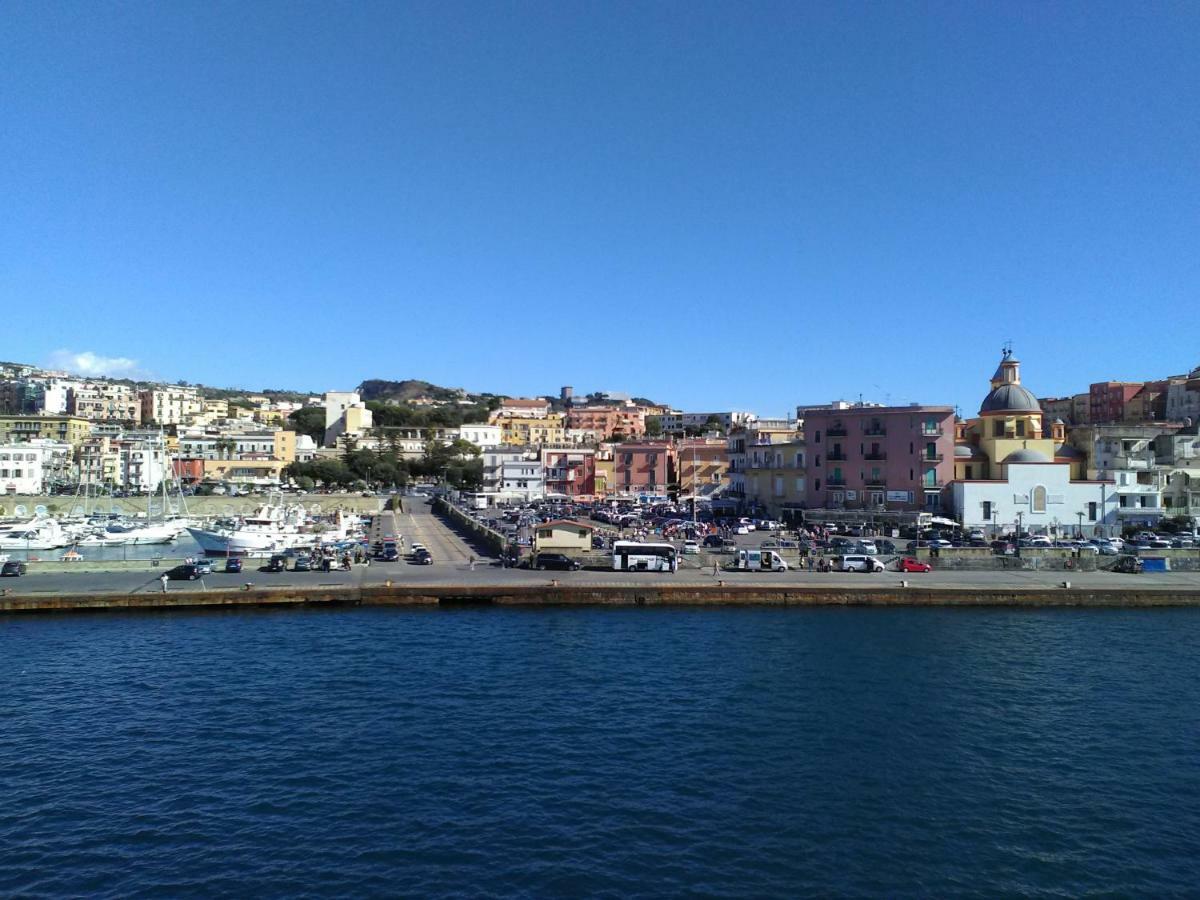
453, 579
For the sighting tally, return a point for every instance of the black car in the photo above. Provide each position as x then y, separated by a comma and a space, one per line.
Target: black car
13, 568
388, 554
423, 557
277, 563
233, 564
556, 561
712, 540
186, 572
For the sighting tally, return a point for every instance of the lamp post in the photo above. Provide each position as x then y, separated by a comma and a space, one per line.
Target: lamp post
1080, 514
1020, 519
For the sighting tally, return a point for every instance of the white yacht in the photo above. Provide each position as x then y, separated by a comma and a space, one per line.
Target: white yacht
37, 534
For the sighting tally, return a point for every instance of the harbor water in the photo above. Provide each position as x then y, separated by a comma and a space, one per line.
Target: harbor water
630, 752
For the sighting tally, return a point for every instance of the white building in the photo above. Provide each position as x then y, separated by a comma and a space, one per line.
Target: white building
345, 413
1038, 495
21, 468
522, 480
1183, 398
674, 421
482, 436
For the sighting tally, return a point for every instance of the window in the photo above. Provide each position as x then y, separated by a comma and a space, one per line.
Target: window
1038, 499
987, 510
817, 440
970, 472
837, 497
1020, 428
997, 428
1124, 500
1092, 511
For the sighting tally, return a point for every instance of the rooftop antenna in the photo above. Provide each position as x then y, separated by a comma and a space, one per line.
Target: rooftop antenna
1006, 350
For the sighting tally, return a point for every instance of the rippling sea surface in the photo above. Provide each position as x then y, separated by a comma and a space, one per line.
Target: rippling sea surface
639, 752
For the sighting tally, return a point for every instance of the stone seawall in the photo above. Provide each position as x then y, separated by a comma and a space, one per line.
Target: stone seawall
634, 595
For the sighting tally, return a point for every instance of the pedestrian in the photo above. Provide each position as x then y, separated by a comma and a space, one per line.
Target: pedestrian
163, 579
472, 563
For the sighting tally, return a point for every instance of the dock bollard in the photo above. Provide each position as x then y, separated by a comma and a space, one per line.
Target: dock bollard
1066, 584
904, 582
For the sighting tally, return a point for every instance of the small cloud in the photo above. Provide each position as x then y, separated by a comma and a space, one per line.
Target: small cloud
88, 363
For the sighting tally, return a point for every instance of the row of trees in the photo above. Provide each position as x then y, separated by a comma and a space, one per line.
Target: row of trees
458, 463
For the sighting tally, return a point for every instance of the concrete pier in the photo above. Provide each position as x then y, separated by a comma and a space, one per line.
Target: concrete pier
551, 595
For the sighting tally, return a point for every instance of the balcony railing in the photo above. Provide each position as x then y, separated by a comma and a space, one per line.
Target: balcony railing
932, 432
836, 431
931, 457
873, 481
836, 482
875, 455
836, 457
880, 430
929, 485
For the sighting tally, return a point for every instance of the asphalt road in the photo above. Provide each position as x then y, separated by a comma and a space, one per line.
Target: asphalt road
452, 554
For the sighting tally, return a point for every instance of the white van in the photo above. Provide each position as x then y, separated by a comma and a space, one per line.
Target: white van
760, 561
859, 563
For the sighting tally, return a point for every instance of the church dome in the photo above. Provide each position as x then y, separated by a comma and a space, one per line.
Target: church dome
1066, 451
962, 452
1026, 455
1010, 398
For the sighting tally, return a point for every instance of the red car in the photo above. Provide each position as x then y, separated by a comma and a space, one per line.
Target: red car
908, 564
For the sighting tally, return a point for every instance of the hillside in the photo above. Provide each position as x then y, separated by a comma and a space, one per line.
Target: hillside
406, 391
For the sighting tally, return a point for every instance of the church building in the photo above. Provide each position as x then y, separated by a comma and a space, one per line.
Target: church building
1011, 473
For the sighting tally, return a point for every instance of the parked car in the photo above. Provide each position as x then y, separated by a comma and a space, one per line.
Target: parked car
859, 563
690, 547
277, 563
908, 564
713, 540
203, 566
1003, 548
185, 572
1131, 565
13, 569
558, 561
302, 564
233, 564
867, 547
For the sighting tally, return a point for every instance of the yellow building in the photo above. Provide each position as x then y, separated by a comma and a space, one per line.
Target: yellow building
285, 446
521, 431
1010, 420
775, 479
563, 536
244, 471
70, 429
605, 467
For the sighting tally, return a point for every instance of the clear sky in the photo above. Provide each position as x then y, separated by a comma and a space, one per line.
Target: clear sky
727, 205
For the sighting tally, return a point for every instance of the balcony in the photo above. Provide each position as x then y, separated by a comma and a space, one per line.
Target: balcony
932, 484
836, 482
836, 457
932, 432
931, 457
836, 431
875, 455
872, 481
877, 431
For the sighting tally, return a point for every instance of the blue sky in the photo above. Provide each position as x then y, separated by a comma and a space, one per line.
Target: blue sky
716, 205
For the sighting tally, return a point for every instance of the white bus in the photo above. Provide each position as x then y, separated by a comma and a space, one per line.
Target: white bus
630, 556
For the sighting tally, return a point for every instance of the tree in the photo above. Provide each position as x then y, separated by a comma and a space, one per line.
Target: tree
654, 426
311, 421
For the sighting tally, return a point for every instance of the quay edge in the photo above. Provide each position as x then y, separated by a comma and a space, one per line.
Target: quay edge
601, 595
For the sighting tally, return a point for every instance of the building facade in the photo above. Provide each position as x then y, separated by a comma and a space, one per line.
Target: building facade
879, 457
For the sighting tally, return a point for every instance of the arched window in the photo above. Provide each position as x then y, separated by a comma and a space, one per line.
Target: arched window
1039, 499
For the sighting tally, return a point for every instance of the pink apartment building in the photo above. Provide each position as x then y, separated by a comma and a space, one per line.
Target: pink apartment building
879, 457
